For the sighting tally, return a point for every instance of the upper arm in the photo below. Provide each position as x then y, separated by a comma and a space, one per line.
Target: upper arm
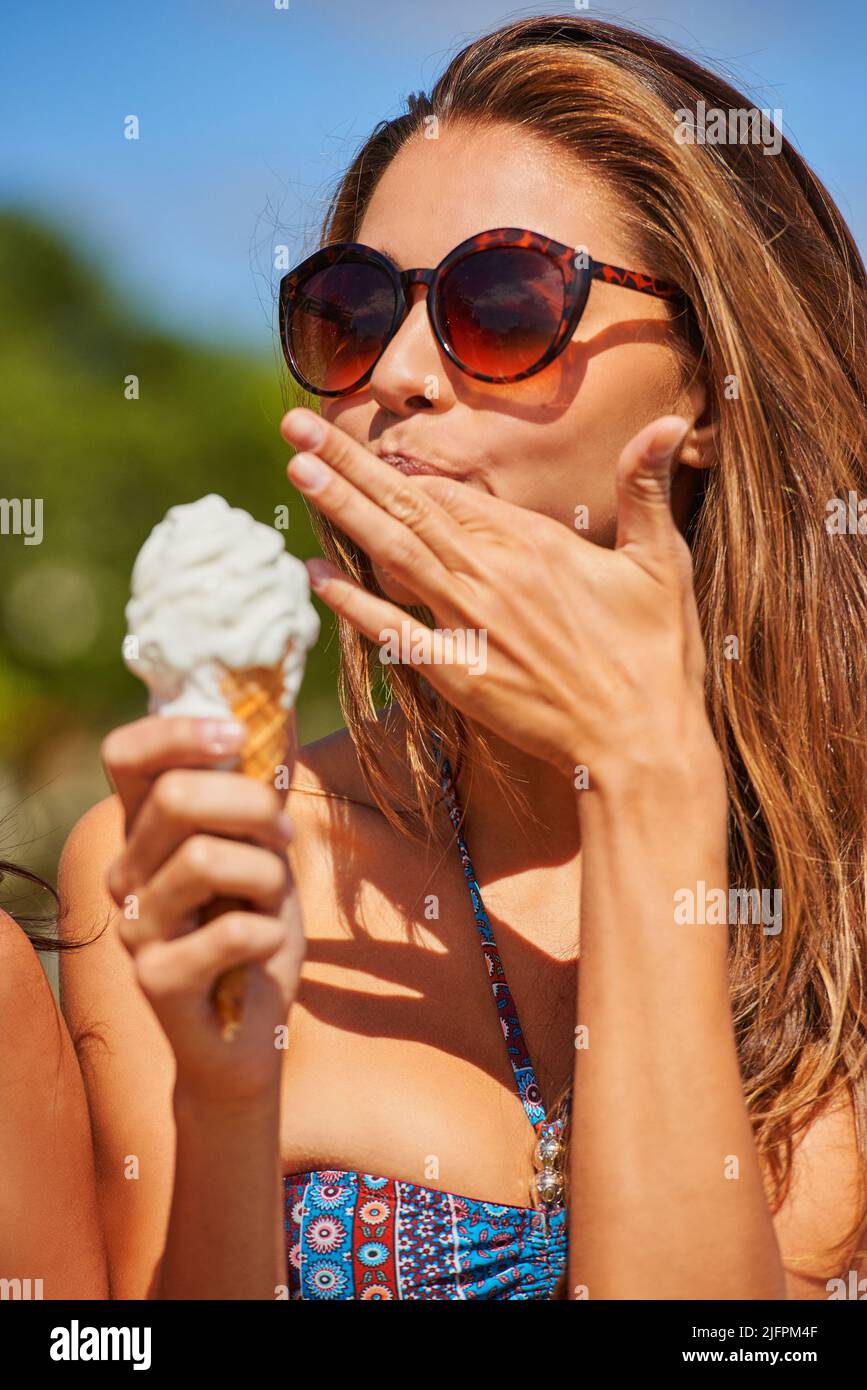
823, 1204
49, 1221
126, 1060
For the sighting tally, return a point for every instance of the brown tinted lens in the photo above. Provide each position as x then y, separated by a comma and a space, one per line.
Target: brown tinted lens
501, 309
340, 322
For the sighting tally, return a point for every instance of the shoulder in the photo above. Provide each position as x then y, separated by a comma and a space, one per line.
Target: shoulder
35, 1047
39, 1078
824, 1204
46, 1153
23, 985
97, 978
350, 860
86, 907
329, 783
330, 767
99, 832
338, 824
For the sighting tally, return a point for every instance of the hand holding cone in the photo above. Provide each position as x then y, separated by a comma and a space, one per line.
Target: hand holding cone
220, 622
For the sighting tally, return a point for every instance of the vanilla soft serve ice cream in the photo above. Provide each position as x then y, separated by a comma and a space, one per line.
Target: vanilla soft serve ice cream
215, 590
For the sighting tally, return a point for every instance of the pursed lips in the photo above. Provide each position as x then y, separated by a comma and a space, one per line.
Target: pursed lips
412, 466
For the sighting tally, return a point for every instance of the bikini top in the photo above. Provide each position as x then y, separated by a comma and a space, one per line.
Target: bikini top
359, 1236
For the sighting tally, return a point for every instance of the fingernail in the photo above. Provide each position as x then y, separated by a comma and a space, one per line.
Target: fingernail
307, 430
222, 735
319, 574
286, 825
668, 440
308, 472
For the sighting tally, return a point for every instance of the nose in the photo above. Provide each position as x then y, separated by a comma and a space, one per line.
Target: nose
413, 373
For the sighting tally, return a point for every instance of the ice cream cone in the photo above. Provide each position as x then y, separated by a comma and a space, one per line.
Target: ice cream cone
256, 698
220, 621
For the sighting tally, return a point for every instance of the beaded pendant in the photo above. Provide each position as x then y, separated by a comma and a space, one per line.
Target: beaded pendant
548, 1157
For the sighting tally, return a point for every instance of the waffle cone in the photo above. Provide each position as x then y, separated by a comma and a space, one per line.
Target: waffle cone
255, 698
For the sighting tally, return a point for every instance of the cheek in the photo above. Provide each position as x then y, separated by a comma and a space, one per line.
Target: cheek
562, 460
564, 469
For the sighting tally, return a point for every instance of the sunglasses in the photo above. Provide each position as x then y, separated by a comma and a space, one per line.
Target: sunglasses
502, 305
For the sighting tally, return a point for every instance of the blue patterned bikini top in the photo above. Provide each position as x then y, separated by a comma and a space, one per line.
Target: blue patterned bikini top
358, 1236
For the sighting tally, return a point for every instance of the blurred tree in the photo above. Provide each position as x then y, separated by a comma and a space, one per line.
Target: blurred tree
107, 467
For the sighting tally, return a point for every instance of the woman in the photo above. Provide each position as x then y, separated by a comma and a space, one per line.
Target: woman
49, 1249
647, 387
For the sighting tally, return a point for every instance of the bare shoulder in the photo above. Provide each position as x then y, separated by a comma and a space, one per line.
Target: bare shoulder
330, 765
125, 1057
44, 1128
86, 910
353, 867
27, 1008
329, 768
33, 1039
37, 1060
99, 991
823, 1205
329, 798
98, 834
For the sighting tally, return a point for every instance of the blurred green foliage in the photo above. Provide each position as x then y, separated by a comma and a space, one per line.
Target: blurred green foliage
107, 469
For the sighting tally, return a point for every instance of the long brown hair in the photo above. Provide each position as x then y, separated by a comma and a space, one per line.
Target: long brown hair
776, 288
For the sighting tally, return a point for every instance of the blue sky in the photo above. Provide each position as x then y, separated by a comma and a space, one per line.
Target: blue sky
249, 113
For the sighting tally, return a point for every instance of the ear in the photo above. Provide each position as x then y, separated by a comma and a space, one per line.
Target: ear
699, 446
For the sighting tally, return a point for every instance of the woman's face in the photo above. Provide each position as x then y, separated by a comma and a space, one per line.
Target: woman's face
551, 442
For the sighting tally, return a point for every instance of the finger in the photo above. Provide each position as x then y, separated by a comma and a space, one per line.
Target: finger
205, 868
191, 964
391, 542
373, 616
135, 754
469, 506
181, 802
402, 640
645, 525
379, 482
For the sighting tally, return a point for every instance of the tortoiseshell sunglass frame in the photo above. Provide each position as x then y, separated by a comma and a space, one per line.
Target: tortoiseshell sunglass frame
577, 268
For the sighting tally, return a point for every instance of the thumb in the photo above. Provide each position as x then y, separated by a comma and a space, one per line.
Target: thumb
644, 471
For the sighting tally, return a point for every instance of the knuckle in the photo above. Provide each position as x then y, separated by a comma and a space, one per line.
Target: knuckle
198, 856
399, 554
232, 930
117, 881
170, 795
112, 748
406, 503
157, 972
648, 487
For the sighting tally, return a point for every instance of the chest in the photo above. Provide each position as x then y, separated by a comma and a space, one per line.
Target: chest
397, 1060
